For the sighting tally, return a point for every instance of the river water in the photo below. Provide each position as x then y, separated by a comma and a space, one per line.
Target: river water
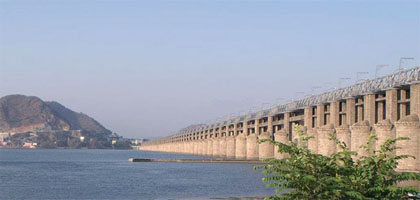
107, 174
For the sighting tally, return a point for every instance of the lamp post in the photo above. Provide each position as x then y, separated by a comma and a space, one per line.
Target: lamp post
379, 67
402, 60
314, 88
296, 93
231, 115
358, 75
279, 100
327, 85
251, 109
340, 81
243, 112
262, 105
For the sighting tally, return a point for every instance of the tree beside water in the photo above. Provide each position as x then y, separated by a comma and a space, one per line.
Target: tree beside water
342, 175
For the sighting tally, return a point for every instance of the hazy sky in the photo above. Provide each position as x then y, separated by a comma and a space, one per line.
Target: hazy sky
149, 68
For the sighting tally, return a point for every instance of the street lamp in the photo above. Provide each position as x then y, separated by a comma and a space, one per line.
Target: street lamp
231, 115
243, 112
262, 105
296, 93
341, 80
314, 88
326, 86
251, 109
378, 67
279, 100
216, 120
358, 75
401, 61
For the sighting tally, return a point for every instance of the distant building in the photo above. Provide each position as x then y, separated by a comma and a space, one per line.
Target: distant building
137, 142
4, 136
115, 136
30, 145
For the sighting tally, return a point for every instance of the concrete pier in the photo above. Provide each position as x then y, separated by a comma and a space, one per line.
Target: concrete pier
222, 146
195, 148
240, 150
230, 147
383, 130
280, 136
388, 106
359, 136
409, 127
313, 143
343, 134
215, 148
251, 147
265, 149
325, 141
209, 147
204, 147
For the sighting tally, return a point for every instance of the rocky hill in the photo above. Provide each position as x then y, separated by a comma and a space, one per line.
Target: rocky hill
19, 113
77, 121
29, 122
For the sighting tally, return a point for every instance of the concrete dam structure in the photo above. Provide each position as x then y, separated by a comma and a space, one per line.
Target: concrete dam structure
388, 106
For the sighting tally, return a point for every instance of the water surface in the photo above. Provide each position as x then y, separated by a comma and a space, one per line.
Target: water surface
107, 174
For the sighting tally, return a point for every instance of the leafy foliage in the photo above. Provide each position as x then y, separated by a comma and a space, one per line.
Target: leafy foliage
307, 175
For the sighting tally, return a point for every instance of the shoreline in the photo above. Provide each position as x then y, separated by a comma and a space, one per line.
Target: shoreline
196, 160
1, 147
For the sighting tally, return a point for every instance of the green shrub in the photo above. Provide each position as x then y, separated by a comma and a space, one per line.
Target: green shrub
306, 175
